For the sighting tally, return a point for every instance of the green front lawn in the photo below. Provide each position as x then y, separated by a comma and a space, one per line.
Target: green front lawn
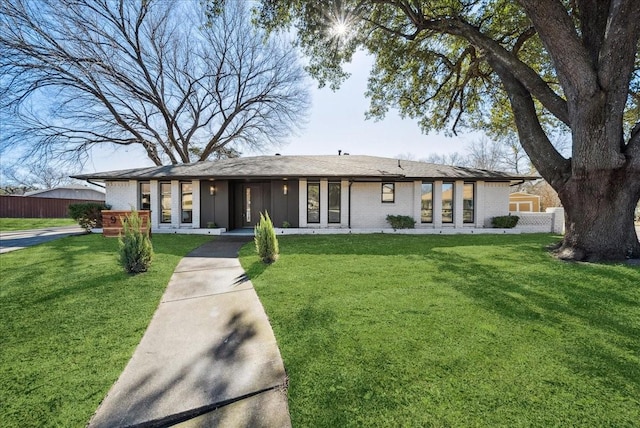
11, 224
71, 319
391, 330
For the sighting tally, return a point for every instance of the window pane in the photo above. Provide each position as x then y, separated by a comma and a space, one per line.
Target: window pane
388, 192
334, 202
468, 203
186, 206
426, 211
165, 202
447, 202
313, 202
145, 196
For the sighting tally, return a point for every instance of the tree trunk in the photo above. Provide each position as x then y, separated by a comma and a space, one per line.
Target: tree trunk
599, 210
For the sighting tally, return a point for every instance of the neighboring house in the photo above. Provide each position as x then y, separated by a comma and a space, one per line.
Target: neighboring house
524, 202
355, 192
69, 192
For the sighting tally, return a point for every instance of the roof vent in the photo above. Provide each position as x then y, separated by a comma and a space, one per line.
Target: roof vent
346, 154
339, 152
277, 154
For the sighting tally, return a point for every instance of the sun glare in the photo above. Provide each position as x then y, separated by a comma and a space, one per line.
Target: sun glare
339, 28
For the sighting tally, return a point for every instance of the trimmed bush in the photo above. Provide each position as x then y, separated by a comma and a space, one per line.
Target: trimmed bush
88, 214
505, 221
401, 222
135, 246
265, 239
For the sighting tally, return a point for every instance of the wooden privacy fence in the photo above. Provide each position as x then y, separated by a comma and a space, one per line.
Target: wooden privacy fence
112, 221
30, 207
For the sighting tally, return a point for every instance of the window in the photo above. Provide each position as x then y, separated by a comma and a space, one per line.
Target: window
145, 196
186, 202
447, 202
165, 202
388, 192
313, 202
334, 202
426, 209
467, 203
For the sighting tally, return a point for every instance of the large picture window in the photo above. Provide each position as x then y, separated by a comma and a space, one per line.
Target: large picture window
447, 202
186, 202
145, 196
313, 202
334, 202
468, 203
165, 202
388, 192
426, 204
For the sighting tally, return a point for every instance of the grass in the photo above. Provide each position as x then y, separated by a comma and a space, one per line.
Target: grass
71, 319
460, 331
11, 224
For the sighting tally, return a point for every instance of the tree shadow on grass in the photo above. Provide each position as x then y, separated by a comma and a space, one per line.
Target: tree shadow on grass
599, 326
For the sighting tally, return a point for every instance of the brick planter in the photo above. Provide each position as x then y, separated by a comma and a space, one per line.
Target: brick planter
112, 221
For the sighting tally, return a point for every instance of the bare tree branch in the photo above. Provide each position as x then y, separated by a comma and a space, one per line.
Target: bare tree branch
155, 74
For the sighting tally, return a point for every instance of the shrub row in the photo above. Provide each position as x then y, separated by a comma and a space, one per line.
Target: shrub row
401, 221
505, 221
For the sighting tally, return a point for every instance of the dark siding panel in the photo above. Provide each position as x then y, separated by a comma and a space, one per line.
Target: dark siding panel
284, 207
278, 210
293, 205
214, 208
238, 210
222, 204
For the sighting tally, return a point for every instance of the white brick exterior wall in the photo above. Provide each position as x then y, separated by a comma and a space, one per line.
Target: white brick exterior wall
302, 203
196, 204
324, 203
496, 201
122, 195
155, 203
368, 210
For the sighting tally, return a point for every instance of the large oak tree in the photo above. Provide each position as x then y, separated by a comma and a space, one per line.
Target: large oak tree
148, 73
544, 67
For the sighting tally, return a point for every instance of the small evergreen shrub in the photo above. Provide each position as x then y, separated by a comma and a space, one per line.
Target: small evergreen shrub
135, 246
401, 222
505, 221
88, 214
265, 239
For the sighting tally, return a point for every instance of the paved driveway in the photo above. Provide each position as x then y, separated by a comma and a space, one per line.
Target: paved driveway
16, 240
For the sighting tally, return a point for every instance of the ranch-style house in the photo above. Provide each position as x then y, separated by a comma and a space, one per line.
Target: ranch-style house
311, 193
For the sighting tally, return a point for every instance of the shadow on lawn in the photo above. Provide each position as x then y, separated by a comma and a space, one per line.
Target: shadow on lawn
394, 245
599, 326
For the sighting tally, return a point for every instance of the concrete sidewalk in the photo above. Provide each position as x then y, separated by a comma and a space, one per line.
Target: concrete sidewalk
208, 357
19, 239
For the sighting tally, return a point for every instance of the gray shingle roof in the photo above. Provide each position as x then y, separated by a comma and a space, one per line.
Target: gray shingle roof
329, 166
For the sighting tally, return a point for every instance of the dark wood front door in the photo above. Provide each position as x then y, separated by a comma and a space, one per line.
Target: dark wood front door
252, 204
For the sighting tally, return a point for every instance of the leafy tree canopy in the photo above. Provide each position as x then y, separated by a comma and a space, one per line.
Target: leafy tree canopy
431, 57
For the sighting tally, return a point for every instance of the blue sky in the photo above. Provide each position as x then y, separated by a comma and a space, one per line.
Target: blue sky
336, 122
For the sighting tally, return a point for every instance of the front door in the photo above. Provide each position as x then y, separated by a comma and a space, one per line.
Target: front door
252, 204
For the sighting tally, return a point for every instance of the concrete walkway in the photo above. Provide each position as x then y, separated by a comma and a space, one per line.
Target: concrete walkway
208, 357
19, 239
